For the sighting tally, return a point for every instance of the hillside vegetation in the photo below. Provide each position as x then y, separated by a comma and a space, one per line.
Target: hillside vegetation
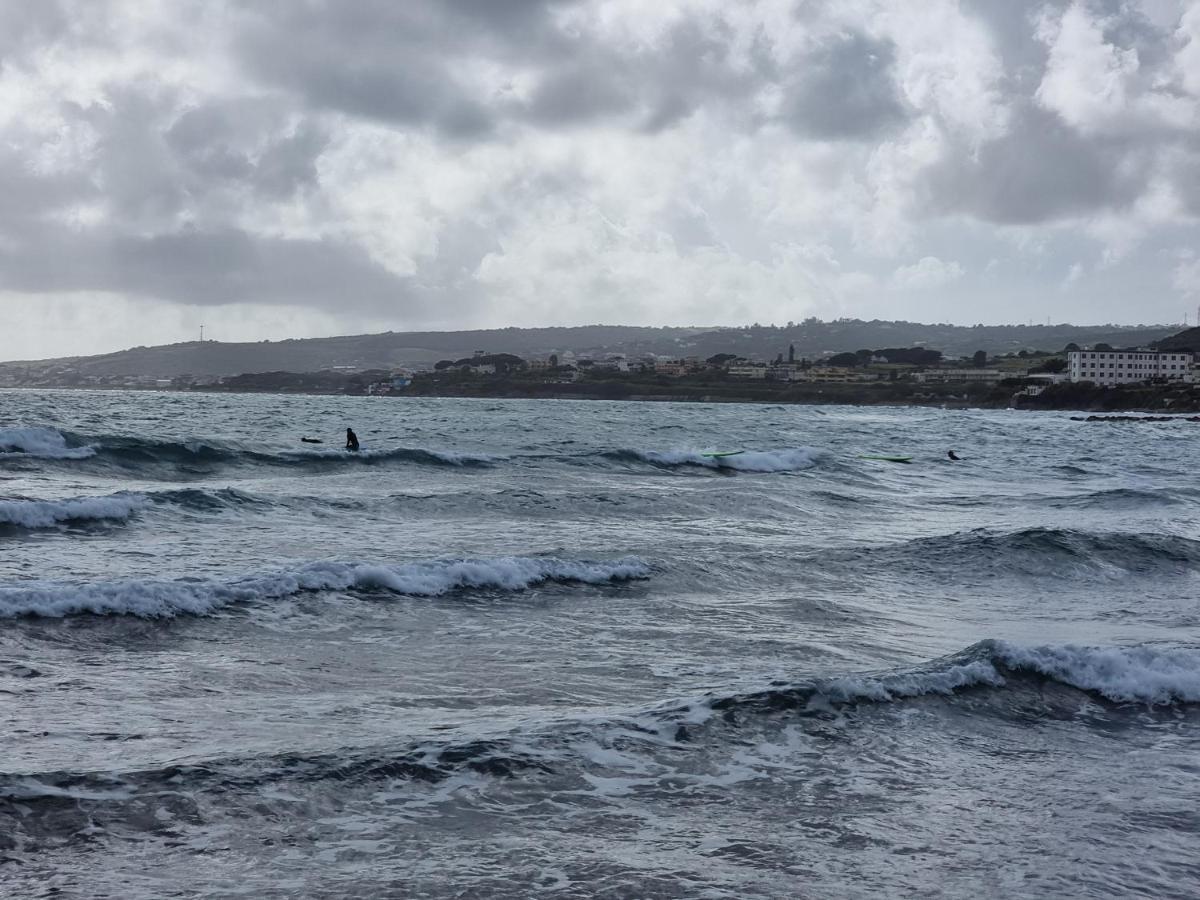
811, 338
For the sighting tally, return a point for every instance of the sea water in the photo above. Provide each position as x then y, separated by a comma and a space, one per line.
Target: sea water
550, 649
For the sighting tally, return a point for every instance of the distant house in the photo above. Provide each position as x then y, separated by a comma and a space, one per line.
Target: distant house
828, 375
960, 376
748, 370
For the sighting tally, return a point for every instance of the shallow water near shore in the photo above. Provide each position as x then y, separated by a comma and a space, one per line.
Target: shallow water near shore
550, 648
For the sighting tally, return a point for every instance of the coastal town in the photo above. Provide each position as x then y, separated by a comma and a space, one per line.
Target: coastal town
913, 374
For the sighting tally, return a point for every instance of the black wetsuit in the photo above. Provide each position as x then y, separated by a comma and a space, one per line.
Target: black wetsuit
351, 440
952, 455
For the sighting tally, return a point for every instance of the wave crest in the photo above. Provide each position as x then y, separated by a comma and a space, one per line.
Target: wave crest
50, 513
166, 599
42, 443
1138, 674
126, 452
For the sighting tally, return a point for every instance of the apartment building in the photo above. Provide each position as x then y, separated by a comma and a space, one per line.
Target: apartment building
1128, 366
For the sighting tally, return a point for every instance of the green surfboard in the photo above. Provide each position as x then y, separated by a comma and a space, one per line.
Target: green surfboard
900, 459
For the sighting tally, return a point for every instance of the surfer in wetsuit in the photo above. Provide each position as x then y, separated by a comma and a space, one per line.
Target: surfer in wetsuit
954, 456
351, 440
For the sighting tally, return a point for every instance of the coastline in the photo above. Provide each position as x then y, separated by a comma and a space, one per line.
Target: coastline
1068, 397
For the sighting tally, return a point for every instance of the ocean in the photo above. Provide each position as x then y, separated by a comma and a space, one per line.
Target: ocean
548, 649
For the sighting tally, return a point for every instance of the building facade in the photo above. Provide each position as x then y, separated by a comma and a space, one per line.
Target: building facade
748, 370
1128, 366
959, 376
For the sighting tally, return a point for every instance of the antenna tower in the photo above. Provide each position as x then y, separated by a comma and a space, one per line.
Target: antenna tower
202, 334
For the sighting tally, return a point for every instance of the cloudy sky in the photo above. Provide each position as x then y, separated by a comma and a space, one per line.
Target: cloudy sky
290, 168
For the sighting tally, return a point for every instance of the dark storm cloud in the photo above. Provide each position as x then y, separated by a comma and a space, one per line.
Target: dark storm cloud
248, 143
154, 162
216, 267
393, 62
1040, 170
845, 90
409, 64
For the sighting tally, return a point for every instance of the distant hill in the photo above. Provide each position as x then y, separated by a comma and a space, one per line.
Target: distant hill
1188, 339
812, 338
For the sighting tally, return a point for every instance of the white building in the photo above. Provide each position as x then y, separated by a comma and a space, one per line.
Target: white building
748, 370
1126, 366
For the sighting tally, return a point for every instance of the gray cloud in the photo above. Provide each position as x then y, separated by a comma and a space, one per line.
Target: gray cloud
29, 196
248, 143
1040, 170
394, 62
30, 23
205, 268
845, 90
403, 64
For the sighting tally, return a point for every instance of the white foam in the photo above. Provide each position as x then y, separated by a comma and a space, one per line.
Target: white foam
155, 599
45, 443
48, 513
789, 459
1125, 674
785, 460
910, 684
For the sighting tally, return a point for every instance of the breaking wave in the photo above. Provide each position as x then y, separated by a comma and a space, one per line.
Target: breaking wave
1138, 674
42, 443
28, 513
1133, 676
165, 599
51, 513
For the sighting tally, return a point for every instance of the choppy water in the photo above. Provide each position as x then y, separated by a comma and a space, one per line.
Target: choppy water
547, 649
